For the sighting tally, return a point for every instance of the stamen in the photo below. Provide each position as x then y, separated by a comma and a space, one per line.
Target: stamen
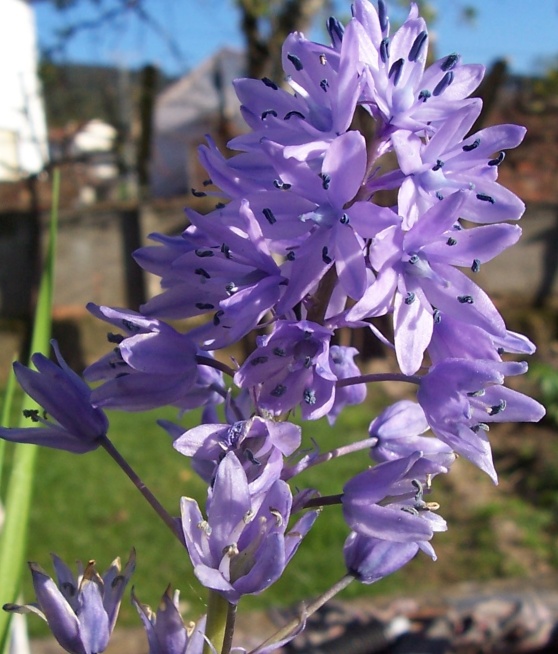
115, 338
202, 273
323, 59
279, 352
204, 306
497, 408
324, 85
437, 316
410, 298
382, 15
451, 241
396, 70
481, 426
475, 267
472, 146
230, 550
198, 194
290, 114
344, 220
325, 256
449, 62
465, 299
204, 526
269, 216
130, 326
250, 456
220, 205
413, 259
326, 180
295, 61
279, 390
424, 95
335, 30
291, 256
268, 112
485, 198
231, 288
478, 393
417, 46
498, 160
225, 249
33, 414
277, 515
309, 396
257, 360
410, 509
439, 195
384, 50
204, 253
217, 317
443, 84
439, 164
207, 182
270, 83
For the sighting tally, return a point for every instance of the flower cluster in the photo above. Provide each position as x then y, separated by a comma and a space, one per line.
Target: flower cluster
302, 248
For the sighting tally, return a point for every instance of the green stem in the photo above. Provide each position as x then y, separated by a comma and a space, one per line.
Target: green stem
291, 626
220, 624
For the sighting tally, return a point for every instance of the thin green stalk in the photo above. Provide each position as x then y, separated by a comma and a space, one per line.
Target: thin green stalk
6, 412
220, 614
19, 491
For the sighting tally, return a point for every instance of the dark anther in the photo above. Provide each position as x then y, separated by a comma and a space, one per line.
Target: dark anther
279, 352
481, 426
465, 299
324, 85
325, 255
31, 413
220, 205
231, 288
130, 326
449, 62
270, 83
290, 114
268, 112
198, 194
69, 588
420, 490
417, 46
485, 198
424, 95
291, 256
498, 408
439, 164
256, 361
250, 456
451, 241
410, 509
384, 49
500, 350
413, 259
472, 146
323, 59
279, 390
326, 180
207, 182
382, 15
410, 298
202, 273
395, 71
295, 61
498, 160
475, 266
269, 216
200, 252
307, 362
478, 393
225, 249
443, 84
204, 306
115, 338
437, 316
309, 396
335, 29
217, 317
281, 185
439, 195
344, 220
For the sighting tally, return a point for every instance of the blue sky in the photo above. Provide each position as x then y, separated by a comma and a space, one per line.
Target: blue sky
523, 32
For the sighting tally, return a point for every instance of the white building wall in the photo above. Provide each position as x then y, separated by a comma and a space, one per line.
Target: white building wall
23, 134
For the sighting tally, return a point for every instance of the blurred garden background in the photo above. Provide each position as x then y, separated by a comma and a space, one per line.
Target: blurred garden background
118, 94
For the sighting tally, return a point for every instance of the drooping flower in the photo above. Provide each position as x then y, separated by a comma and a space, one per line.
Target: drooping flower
71, 421
166, 631
460, 397
80, 611
244, 545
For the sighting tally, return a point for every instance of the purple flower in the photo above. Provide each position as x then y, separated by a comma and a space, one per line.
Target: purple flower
71, 422
166, 632
243, 546
398, 430
371, 559
460, 397
416, 272
81, 612
259, 445
386, 502
291, 367
152, 365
